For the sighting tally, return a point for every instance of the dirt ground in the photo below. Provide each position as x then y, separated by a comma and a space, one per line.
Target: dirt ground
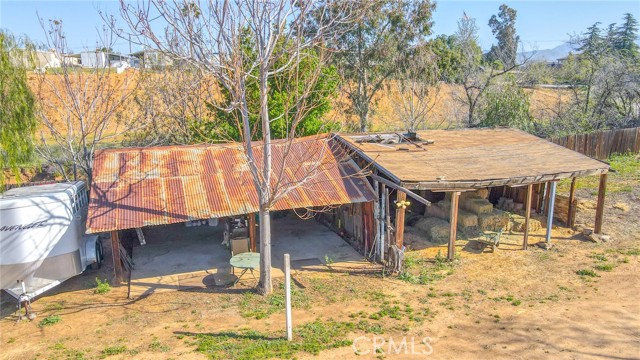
510, 304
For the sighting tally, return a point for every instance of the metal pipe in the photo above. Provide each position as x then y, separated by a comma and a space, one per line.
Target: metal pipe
552, 200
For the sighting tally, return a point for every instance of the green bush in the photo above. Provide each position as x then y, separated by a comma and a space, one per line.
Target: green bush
102, 287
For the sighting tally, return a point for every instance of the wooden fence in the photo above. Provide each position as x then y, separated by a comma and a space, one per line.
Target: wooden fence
602, 144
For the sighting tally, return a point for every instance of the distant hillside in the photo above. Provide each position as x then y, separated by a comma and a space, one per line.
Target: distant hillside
548, 55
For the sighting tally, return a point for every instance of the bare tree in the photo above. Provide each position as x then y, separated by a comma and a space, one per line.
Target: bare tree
417, 85
214, 36
81, 109
170, 102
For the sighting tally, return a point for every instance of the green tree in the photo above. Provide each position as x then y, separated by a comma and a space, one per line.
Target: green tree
17, 103
503, 27
284, 93
449, 57
366, 52
627, 35
506, 105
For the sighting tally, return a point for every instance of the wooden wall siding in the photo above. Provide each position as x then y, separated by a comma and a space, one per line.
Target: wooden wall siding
561, 210
602, 144
357, 222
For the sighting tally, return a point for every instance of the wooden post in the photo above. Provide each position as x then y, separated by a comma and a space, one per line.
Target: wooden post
539, 198
600, 208
252, 232
287, 299
383, 225
453, 225
387, 212
115, 252
376, 219
546, 198
400, 198
571, 210
527, 215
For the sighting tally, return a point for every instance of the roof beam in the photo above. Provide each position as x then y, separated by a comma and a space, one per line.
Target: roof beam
517, 181
401, 189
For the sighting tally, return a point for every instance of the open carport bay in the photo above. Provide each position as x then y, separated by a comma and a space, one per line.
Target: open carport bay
177, 257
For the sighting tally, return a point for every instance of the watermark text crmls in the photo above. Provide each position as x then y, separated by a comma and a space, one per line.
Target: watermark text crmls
403, 345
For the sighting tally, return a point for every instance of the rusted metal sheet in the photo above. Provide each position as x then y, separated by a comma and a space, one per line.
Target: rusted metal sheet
137, 187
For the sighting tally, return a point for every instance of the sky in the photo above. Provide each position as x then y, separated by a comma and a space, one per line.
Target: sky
540, 24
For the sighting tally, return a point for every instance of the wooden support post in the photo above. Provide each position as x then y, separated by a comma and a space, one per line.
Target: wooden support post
400, 199
571, 210
382, 222
387, 212
600, 208
527, 215
453, 225
539, 198
546, 198
115, 251
252, 232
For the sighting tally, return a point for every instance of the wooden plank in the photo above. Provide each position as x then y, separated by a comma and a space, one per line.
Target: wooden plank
571, 210
527, 215
600, 207
252, 232
387, 209
400, 210
453, 221
115, 252
545, 210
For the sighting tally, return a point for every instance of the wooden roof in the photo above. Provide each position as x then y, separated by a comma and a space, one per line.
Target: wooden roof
472, 158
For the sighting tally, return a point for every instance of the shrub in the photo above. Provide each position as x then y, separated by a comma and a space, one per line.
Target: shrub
102, 287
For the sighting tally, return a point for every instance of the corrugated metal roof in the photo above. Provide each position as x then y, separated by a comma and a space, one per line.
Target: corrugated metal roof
136, 187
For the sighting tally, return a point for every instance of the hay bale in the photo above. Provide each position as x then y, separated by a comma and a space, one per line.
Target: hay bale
467, 219
425, 224
435, 211
493, 221
445, 205
414, 237
482, 193
477, 206
437, 230
439, 233
477, 194
517, 224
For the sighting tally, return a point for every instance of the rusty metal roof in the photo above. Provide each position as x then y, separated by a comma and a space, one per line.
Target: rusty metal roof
136, 187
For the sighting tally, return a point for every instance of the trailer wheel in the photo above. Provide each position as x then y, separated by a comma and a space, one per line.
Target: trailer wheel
99, 256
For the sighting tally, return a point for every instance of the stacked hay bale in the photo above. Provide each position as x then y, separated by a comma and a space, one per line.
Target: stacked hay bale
442, 210
493, 221
518, 222
436, 230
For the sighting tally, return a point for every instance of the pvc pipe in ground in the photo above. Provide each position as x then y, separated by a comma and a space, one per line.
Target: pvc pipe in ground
287, 299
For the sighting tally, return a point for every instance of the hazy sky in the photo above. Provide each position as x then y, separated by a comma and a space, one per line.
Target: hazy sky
540, 24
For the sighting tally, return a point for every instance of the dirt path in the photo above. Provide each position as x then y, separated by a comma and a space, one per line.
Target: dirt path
511, 304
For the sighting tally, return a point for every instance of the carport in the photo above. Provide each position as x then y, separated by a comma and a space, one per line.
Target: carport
148, 189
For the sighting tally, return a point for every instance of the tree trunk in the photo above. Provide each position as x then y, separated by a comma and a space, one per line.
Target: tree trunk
364, 121
265, 287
